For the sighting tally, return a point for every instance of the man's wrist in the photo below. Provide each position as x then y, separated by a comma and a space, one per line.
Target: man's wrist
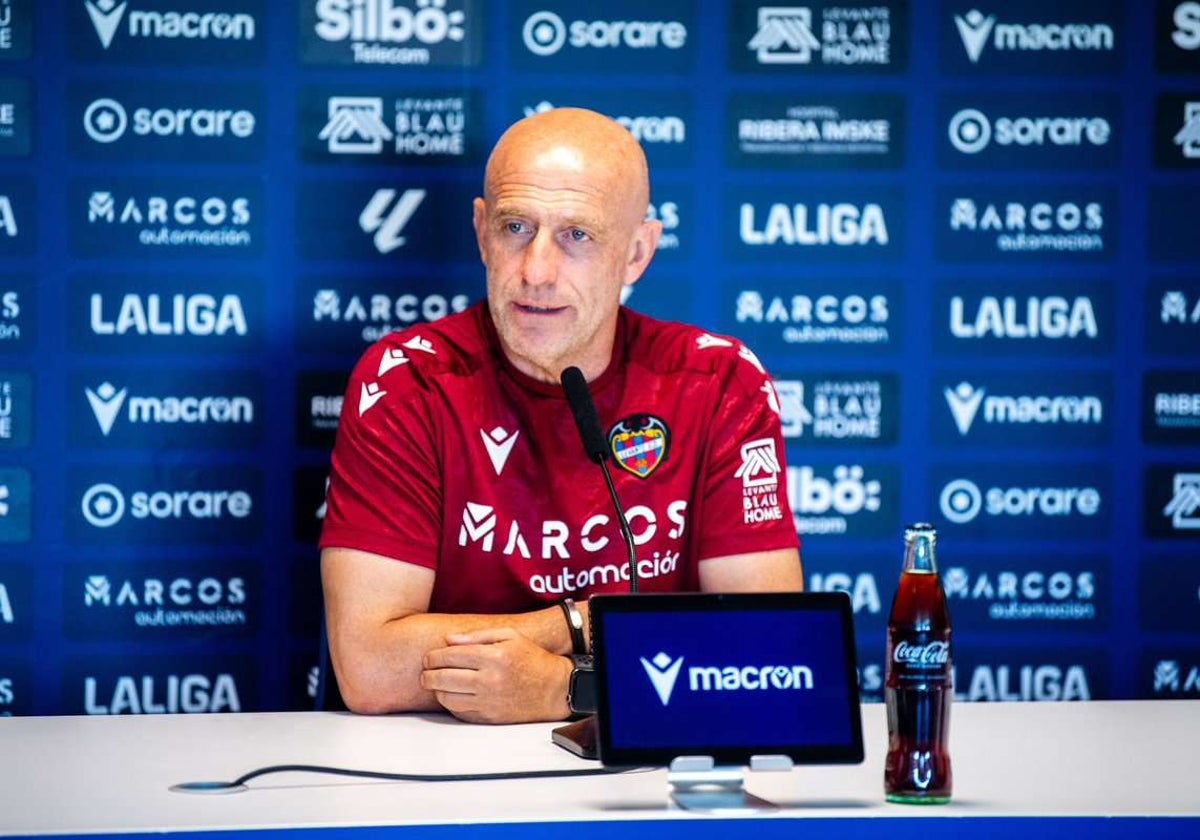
581, 689
574, 619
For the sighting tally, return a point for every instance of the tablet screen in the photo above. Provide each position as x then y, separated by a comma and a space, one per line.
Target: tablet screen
729, 676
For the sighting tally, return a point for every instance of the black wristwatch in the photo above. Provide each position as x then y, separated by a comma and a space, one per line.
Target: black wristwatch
581, 690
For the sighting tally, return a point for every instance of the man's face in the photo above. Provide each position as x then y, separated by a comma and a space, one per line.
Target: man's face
559, 242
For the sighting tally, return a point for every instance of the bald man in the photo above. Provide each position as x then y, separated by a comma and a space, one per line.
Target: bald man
465, 526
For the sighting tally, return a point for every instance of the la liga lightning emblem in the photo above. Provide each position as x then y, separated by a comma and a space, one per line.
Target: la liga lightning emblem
639, 443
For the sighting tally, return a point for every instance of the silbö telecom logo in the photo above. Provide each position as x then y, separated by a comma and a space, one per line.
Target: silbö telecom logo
664, 671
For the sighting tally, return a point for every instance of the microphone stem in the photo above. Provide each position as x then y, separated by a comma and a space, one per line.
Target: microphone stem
625, 531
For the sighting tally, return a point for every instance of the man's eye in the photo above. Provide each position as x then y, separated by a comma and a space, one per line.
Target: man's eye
578, 235
514, 227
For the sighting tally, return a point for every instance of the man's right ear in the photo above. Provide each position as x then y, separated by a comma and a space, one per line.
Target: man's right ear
479, 220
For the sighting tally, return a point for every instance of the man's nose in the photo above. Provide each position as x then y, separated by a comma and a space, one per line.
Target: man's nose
541, 262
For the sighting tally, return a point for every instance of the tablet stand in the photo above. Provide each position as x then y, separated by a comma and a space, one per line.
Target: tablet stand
699, 784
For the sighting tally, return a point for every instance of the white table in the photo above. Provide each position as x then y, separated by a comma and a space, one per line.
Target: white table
1083, 764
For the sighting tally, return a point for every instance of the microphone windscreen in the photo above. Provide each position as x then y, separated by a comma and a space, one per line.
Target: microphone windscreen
579, 397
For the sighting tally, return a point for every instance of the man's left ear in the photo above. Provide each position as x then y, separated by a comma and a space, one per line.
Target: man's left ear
645, 243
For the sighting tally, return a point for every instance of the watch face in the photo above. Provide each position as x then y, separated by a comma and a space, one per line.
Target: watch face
581, 693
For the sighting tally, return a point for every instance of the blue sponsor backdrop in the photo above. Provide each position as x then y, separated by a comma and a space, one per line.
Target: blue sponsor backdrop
961, 234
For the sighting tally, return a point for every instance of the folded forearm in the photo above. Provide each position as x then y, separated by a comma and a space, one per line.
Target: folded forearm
379, 668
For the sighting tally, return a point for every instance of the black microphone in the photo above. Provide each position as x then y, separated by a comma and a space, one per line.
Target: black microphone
579, 397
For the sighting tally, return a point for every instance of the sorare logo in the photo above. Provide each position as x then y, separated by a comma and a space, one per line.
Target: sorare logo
16, 117
392, 33
211, 32
1022, 408
1024, 317
156, 121
136, 314
819, 38
169, 218
1022, 37
1005, 501
989, 131
1026, 222
815, 132
178, 504
622, 36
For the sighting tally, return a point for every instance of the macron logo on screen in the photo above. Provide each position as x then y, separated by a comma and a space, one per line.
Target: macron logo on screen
662, 671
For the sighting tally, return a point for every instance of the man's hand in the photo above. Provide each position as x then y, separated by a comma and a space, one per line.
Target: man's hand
497, 675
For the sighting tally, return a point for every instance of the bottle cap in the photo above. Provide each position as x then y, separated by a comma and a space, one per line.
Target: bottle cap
920, 529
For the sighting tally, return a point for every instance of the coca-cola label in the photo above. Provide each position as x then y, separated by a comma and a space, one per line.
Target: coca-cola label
920, 658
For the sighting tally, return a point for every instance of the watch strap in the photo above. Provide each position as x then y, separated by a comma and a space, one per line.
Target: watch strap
574, 625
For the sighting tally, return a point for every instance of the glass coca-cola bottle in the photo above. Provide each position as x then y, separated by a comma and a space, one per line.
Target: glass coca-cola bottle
918, 687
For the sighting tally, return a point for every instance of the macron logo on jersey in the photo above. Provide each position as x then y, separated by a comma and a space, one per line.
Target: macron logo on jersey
368, 396
707, 341
392, 359
499, 445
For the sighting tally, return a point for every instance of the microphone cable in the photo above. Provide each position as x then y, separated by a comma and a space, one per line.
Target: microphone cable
239, 784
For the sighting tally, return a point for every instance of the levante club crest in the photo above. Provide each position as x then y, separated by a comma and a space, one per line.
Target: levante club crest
639, 443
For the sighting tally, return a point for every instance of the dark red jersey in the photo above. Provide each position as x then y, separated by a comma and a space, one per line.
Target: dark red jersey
450, 458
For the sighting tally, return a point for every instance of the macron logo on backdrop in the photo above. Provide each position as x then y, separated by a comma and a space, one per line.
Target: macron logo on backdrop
106, 17
106, 402
663, 671
974, 30
964, 400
